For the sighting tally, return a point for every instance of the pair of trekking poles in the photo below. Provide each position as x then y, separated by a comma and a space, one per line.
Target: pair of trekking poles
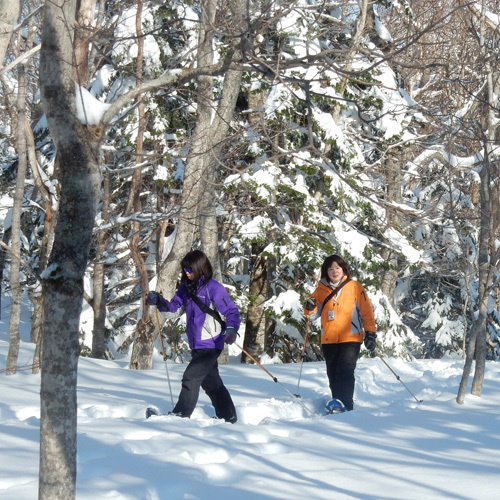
275, 379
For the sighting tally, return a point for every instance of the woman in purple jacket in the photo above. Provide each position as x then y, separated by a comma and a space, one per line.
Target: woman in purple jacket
205, 335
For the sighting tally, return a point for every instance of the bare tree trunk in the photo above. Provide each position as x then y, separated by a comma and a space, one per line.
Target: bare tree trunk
9, 14
217, 134
210, 238
487, 263
62, 283
83, 34
204, 151
15, 285
99, 299
389, 275
477, 341
195, 165
209, 233
142, 350
270, 323
486, 243
46, 246
255, 328
488, 246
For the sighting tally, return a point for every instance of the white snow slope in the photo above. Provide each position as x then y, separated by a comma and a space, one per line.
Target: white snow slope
390, 447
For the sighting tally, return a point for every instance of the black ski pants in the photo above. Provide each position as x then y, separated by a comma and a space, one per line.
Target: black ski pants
341, 362
203, 371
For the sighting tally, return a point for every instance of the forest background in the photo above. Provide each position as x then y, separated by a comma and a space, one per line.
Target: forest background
270, 135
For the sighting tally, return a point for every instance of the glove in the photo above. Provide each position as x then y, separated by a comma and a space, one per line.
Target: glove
370, 341
310, 304
229, 335
153, 298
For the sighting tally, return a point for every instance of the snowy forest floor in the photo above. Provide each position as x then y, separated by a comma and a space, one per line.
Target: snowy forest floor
390, 447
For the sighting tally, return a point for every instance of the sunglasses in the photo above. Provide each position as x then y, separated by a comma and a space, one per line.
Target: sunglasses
188, 270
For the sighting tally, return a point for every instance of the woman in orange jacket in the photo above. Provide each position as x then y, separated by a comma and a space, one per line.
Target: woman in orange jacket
346, 312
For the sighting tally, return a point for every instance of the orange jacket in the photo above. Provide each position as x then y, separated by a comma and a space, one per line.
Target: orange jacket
344, 316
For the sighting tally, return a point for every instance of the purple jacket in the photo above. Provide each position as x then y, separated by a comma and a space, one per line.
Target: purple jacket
203, 331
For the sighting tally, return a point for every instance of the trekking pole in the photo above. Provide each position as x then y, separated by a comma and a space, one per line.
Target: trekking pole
164, 357
302, 355
273, 377
397, 376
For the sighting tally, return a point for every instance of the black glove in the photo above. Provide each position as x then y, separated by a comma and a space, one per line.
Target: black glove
370, 341
229, 335
153, 298
310, 304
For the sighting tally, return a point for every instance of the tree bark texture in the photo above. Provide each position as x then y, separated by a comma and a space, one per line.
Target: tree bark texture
203, 158
9, 14
477, 341
209, 230
487, 261
142, 350
194, 171
490, 180
51, 204
98, 278
485, 276
62, 283
50, 207
389, 276
255, 327
15, 264
83, 35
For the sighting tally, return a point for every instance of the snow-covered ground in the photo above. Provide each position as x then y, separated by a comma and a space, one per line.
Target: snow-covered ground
390, 447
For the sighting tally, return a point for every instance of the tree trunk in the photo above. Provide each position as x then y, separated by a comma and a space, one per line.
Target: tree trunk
15, 285
142, 350
62, 284
488, 246
225, 112
196, 161
205, 148
46, 246
99, 298
9, 14
83, 34
270, 324
209, 233
486, 242
477, 341
389, 275
255, 327
210, 239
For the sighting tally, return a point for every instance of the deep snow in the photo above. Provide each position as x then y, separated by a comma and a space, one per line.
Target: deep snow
390, 447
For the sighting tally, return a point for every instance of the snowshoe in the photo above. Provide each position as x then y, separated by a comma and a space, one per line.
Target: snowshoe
152, 412
335, 406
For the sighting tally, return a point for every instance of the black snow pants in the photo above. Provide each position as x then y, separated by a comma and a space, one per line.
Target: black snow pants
203, 371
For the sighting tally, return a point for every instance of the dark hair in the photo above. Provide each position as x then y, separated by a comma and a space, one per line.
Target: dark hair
329, 261
198, 262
